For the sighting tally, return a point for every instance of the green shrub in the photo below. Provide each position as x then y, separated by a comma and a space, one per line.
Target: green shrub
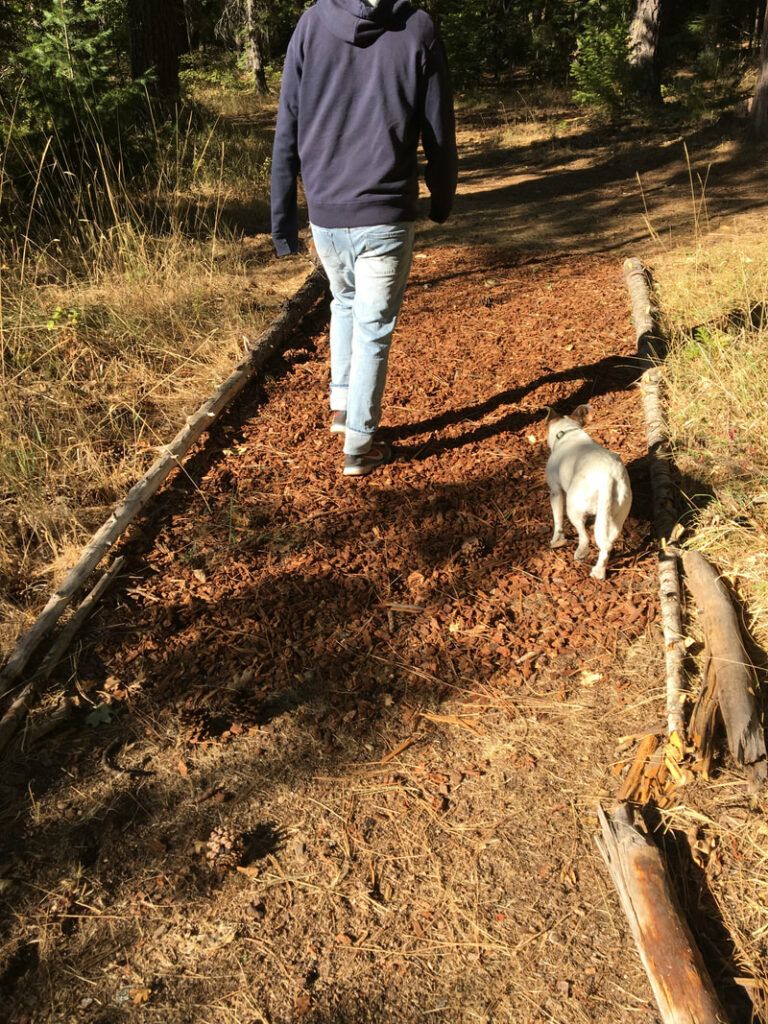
601, 66
72, 81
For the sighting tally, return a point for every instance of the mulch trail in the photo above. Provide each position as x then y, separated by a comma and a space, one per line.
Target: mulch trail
395, 692
282, 570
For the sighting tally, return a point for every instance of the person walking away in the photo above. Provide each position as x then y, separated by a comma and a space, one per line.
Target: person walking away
363, 82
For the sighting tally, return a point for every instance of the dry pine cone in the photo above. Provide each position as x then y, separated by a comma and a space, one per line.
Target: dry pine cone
224, 849
471, 549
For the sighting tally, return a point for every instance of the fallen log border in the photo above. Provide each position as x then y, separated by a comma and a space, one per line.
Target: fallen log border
15, 714
679, 979
650, 348
294, 309
681, 985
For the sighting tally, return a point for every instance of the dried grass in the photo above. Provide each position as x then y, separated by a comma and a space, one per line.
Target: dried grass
714, 299
484, 912
119, 311
728, 843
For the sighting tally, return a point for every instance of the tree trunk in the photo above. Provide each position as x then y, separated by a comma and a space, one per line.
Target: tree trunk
718, 26
157, 32
758, 114
715, 18
755, 23
254, 47
189, 25
644, 49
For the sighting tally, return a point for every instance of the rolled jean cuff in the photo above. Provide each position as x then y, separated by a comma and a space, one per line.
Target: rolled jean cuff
338, 398
356, 442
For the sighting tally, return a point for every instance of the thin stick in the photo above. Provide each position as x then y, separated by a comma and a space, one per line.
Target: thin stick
138, 496
650, 346
18, 709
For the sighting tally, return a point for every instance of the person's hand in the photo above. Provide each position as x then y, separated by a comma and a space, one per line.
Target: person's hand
305, 249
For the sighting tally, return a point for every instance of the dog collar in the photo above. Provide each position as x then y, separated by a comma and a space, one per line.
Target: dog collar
562, 433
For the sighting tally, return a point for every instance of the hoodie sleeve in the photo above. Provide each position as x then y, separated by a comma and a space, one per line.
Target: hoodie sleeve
438, 133
285, 156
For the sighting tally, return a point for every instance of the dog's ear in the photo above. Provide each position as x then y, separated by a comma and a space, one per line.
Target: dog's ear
580, 414
551, 414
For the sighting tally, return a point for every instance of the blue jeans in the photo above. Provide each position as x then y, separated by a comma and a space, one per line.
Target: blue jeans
367, 270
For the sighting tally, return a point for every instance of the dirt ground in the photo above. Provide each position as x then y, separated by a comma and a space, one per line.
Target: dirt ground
404, 704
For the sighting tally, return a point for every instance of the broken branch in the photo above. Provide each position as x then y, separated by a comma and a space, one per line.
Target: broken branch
681, 985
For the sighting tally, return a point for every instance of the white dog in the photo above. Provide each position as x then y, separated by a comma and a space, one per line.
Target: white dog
585, 479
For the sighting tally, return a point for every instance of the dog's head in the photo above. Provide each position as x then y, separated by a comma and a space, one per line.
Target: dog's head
558, 424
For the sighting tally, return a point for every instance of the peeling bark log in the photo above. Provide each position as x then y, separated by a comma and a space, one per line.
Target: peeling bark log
681, 985
21, 705
650, 346
138, 496
729, 665
49, 722
703, 723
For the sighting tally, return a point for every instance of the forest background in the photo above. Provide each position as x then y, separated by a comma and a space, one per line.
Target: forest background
134, 165
135, 268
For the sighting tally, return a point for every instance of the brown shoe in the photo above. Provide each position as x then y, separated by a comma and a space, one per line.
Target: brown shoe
339, 423
379, 454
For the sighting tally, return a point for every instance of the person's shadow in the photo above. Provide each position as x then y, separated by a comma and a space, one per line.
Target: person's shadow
614, 373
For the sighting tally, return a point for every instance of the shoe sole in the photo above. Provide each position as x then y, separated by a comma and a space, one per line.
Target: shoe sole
338, 430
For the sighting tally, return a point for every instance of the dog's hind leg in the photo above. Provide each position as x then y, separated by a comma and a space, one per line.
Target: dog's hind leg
557, 500
598, 569
605, 537
578, 518
582, 551
612, 510
607, 532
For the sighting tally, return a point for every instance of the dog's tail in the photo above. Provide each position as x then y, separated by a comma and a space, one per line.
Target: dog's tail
608, 518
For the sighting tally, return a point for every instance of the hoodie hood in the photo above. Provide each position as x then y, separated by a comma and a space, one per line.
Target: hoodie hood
360, 24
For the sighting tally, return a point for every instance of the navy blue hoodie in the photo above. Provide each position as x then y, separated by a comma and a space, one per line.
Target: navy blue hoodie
360, 86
